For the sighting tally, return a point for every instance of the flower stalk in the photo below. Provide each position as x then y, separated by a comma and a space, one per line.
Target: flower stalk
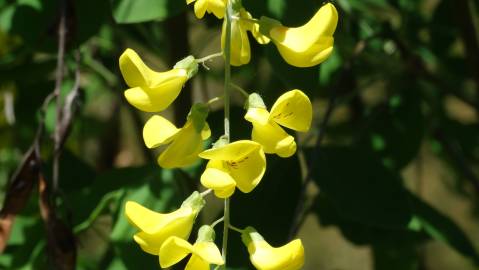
227, 95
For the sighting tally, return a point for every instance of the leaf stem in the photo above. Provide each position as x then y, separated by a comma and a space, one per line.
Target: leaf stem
206, 192
213, 100
236, 229
209, 57
216, 222
240, 89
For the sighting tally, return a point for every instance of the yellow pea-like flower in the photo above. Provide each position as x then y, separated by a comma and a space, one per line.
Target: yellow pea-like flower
153, 91
155, 227
184, 143
265, 257
293, 110
307, 45
239, 164
203, 253
217, 7
240, 48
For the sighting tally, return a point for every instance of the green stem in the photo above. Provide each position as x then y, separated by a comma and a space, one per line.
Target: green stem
213, 100
217, 222
236, 229
240, 89
227, 94
208, 57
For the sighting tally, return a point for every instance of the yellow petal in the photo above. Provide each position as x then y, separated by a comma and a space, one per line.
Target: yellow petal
309, 44
158, 131
287, 257
200, 8
232, 151
208, 252
184, 150
293, 110
160, 96
206, 132
273, 139
196, 263
240, 49
301, 38
134, 71
258, 115
156, 227
150, 221
173, 250
148, 243
217, 178
217, 7
249, 170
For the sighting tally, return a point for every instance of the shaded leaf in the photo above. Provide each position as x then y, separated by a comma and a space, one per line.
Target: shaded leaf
135, 11
360, 187
442, 228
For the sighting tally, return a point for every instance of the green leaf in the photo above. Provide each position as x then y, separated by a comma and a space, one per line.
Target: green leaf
442, 228
360, 187
397, 130
135, 11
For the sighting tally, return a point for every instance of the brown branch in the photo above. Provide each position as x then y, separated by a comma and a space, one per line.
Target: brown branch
299, 212
466, 20
417, 66
344, 77
57, 91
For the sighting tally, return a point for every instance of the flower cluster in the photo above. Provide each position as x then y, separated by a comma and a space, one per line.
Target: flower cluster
230, 165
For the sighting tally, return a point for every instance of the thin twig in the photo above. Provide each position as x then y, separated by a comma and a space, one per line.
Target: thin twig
57, 92
298, 212
454, 151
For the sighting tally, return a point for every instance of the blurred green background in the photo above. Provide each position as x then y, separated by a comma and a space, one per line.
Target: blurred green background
395, 181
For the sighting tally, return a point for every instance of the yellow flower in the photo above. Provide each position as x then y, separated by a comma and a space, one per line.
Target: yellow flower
153, 91
265, 257
292, 110
204, 251
155, 227
217, 7
308, 45
241, 22
184, 144
239, 164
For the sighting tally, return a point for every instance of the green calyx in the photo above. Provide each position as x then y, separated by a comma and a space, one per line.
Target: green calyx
195, 201
266, 24
236, 5
189, 64
255, 101
206, 233
198, 114
250, 235
222, 141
